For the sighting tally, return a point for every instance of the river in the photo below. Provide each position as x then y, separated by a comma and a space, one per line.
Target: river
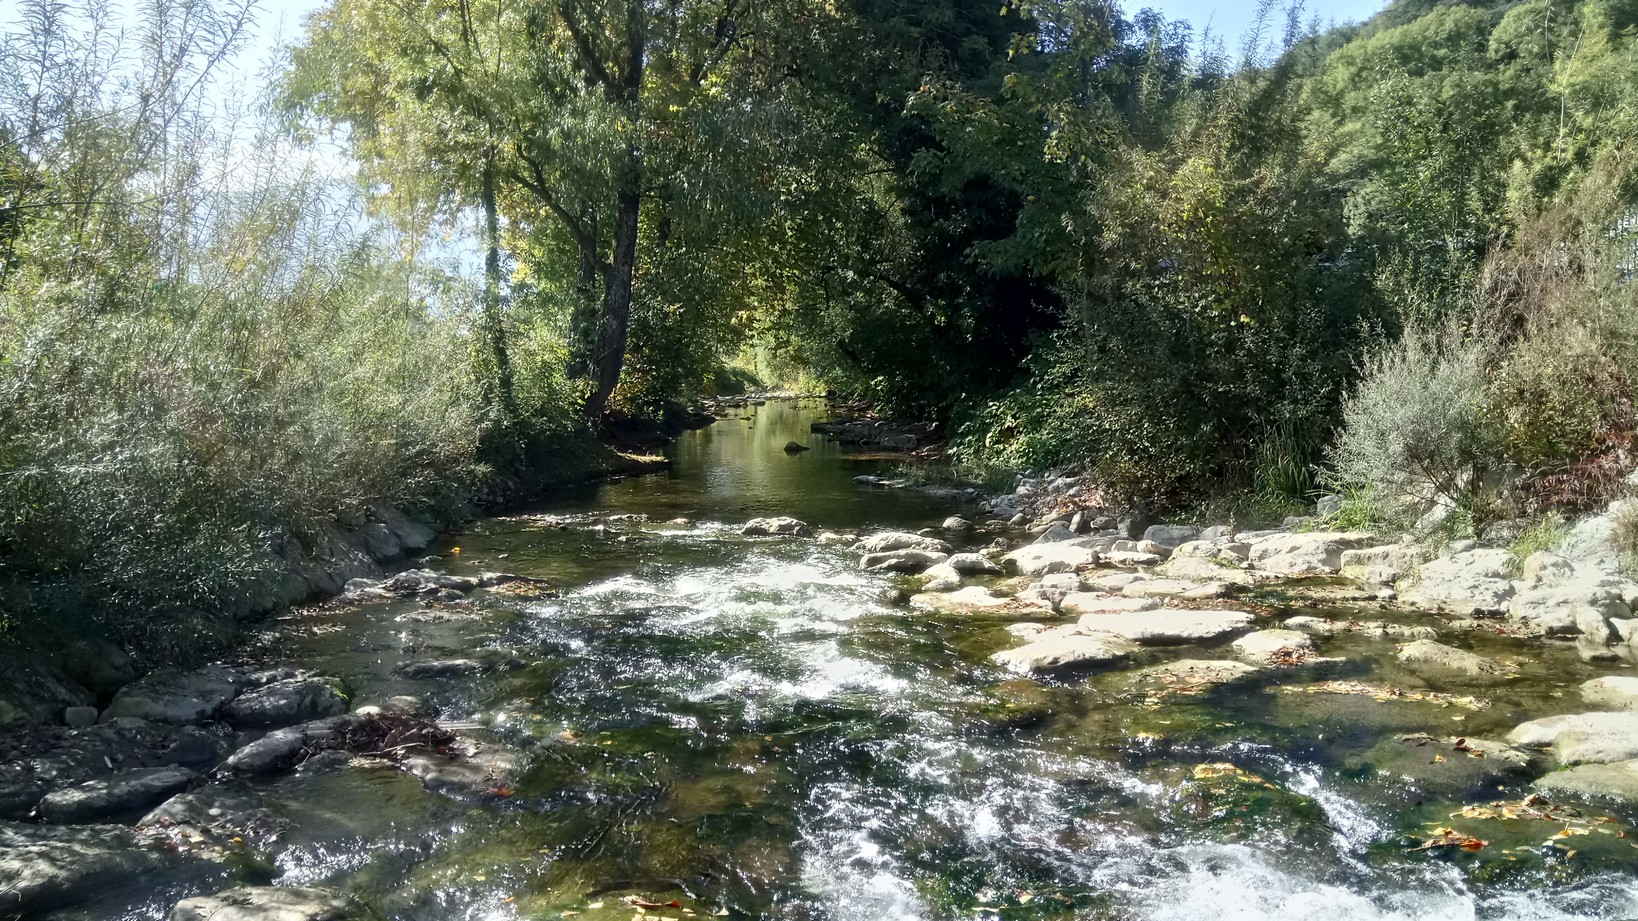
755, 727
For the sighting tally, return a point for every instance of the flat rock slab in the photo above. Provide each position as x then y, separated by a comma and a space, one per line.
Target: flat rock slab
1471, 582
283, 703
978, 599
1175, 588
125, 792
1041, 559
1614, 692
44, 867
267, 903
1169, 626
1311, 552
1057, 648
1582, 738
1264, 646
1201, 569
1320, 626
178, 697
1617, 780
1196, 673
1100, 603
1427, 657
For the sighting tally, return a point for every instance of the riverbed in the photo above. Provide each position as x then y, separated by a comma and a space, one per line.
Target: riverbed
754, 728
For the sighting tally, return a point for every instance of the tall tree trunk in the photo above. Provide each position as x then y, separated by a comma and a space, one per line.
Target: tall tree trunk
494, 324
610, 357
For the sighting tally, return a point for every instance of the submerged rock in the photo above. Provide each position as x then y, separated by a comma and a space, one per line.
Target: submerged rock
52, 866
120, 793
1319, 626
1196, 673
1447, 767
268, 903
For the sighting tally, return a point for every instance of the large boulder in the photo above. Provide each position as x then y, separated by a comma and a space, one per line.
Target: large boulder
1064, 648
1169, 626
267, 903
1426, 657
283, 703
905, 561
119, 794
1394, 561
178, 697
1581, 738
1615, 692
1062, 556
776, 527
282, 748
1478, 581
1301, 553
900, 540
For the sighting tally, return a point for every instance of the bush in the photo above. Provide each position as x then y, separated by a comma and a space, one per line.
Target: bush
1420, 428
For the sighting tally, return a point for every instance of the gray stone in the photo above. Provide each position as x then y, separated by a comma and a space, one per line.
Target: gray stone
941, 578
123, 792
1327, 506
1545, 566
1056, 532
177, 697
900, 540
280, 748
1429, 657
1319, 626
1167, 626
957, 523
225, 813
1196, 673
905, 561
1399, 558
776, 527
1614, 692
283, 703
1580, 738
439, 668
1203, 569
267, 903
1448, 767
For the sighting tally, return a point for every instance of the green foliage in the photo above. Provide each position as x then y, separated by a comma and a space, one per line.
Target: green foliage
1544, 535
1420, 428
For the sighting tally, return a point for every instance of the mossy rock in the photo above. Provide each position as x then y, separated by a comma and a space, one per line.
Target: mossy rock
1232, 803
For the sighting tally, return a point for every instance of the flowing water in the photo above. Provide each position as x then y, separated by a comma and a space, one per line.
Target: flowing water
755, 727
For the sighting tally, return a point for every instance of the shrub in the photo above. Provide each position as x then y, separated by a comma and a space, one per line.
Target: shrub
1419, 428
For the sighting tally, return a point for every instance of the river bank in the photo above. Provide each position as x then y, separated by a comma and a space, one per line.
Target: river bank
874, 703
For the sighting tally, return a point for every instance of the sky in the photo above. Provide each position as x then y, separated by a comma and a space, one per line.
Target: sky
1229, 19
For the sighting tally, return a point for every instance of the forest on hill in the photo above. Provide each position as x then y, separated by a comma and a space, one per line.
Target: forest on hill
1388, 260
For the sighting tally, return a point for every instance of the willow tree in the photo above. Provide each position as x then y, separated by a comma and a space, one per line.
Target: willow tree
543, 115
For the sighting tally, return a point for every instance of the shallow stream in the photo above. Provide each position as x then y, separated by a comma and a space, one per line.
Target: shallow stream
752, 726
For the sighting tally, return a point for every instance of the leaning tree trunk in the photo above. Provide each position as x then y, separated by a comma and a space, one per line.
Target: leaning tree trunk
609, 359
